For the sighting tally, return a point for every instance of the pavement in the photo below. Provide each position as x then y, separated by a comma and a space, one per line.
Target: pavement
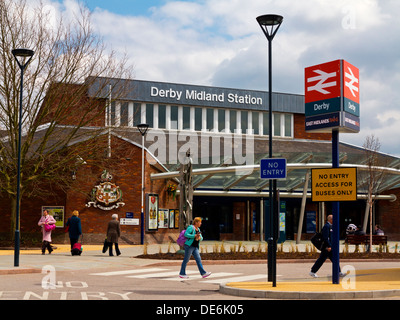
379, 282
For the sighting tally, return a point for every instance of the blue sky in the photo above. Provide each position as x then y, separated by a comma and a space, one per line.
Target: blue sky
124, 7
219, 43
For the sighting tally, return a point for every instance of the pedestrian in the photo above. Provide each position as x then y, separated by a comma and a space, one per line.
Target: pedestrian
46, 219
378, 230
113, 233
194, 237
74, 227
326, 249
359, 231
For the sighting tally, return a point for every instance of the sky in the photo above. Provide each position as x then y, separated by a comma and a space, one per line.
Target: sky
219, 43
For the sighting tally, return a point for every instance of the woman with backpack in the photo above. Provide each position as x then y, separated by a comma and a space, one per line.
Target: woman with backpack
191, 246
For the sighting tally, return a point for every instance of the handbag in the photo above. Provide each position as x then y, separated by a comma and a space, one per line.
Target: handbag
317, 240
49, 227
105, 246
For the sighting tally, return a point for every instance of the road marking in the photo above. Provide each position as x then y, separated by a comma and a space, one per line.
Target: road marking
124, 272
168, 275
237, 279
160, 275
198, 276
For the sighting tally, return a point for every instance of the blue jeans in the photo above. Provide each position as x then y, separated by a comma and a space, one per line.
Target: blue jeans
196, 254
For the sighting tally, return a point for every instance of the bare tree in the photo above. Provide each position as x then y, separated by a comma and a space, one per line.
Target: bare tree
373, 177
59, 118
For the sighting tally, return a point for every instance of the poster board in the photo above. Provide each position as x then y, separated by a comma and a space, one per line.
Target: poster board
58, 214
151, 212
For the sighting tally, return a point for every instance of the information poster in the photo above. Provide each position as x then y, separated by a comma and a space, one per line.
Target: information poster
171, 218
163, 215
311, 222
152, 212
176, 219
58, 214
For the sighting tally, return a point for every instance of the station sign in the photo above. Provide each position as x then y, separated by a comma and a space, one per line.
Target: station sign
345, 121
331, 88
273, 168
336, 184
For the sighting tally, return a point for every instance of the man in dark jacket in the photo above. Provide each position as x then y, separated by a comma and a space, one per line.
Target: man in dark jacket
74, 228
326, 250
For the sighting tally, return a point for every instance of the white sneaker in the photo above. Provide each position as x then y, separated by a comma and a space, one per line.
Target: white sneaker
183, 276
206, 274
313, 274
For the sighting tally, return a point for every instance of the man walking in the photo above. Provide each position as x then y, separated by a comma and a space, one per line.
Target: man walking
326, 249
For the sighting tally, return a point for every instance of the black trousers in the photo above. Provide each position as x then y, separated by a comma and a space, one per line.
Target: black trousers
325, 254
110, 244
46, 244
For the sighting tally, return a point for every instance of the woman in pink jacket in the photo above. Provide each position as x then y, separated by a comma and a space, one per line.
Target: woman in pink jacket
46, 219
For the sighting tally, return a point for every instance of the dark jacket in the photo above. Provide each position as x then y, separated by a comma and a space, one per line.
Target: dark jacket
113, 231
75, 228
327, 235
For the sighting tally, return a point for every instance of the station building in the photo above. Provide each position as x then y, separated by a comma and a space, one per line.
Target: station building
226, 133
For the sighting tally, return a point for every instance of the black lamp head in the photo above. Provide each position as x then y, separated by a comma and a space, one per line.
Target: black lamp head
143, 127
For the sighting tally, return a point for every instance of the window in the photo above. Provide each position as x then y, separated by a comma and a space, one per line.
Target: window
210, 119
124, 114
221, 120
277, 124
137, 111
174, 117
255, 122
198, 119
288, 125
186, 118
232, 121
162, 116
150, 115
244, 121
265, 124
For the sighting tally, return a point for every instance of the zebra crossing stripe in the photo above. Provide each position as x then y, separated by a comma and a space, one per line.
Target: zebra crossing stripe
168, 275
124, 272
160, 274
198, 276
237, 279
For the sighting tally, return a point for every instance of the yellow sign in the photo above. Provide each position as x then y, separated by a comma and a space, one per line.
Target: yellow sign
336, 184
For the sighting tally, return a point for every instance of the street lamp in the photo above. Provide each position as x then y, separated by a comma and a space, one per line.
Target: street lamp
143, 127
23, 57
270, 24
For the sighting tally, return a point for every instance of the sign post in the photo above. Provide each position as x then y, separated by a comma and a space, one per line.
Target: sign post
332, 104
273, 169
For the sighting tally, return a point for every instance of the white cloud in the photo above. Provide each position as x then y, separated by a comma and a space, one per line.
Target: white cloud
219, 43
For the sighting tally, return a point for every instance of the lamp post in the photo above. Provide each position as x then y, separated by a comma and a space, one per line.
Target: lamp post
23, 57
143, 127
270, 24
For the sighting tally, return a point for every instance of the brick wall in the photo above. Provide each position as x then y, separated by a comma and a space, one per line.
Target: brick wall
387, 216
126, 174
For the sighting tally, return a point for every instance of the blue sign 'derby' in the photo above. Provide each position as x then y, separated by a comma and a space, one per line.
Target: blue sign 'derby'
273, 169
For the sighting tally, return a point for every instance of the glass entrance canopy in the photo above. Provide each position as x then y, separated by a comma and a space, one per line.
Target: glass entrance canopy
226, 178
